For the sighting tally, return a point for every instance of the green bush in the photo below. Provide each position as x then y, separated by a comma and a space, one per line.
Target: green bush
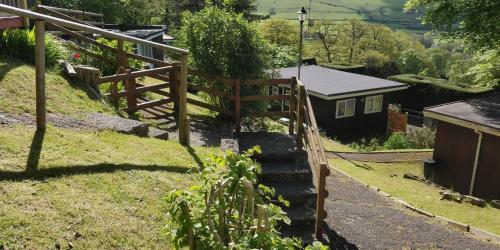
227, 210
224, 43
398, 140
20, 44
364, 145
422, 137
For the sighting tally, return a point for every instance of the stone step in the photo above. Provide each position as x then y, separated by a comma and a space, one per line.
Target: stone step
294, 156
297, 193
305, 234
301, 216
285, 172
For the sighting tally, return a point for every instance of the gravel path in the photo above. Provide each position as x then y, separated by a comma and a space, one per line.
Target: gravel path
359, 218
382, 156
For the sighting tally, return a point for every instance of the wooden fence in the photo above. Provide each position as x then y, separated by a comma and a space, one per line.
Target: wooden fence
173, 74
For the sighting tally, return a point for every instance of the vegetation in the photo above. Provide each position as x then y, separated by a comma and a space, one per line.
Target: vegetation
389, 178
17, 92
224, 43
86, 189
225, 211
474, 21
20, 43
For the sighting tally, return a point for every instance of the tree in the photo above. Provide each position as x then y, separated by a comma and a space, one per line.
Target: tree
224, 43
280, 32
356, 30
328, 33
410, 63
477, 21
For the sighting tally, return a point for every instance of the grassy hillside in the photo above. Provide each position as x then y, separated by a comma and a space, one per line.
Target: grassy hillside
17, 92
107, 187
82, 189
389, 12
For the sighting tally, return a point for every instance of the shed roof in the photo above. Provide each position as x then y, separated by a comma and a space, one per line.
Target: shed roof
482, 112
329, 83
138, 31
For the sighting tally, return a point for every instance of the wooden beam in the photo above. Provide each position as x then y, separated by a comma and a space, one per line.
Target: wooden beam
300, 115
149, 104
134, 74
73, 12
268, 114
261, 82
23, 4
237, 105
252, 98
140, 90
88, 28
130, 86
41, 119
293, 99
182, 91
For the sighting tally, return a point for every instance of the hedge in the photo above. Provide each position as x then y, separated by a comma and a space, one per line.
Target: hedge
355, 68
428, 91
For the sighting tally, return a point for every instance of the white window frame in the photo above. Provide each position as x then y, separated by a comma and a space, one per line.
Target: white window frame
372, 100
275, 90
337, 116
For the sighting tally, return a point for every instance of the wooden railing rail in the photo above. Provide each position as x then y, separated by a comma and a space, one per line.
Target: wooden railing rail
308, 132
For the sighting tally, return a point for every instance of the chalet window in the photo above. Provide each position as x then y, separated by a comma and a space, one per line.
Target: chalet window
275, 90
373, 104
345, 108
145, 50
287, 102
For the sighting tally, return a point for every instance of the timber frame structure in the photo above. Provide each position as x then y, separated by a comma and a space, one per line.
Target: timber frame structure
302, 122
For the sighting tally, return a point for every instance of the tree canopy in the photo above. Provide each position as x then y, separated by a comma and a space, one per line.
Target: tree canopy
477, 21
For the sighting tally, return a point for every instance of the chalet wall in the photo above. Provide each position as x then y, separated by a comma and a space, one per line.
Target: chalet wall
454, 153
357, 126
487, 184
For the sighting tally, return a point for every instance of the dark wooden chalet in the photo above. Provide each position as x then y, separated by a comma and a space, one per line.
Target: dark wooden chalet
152, 33
346, 105
8, 21
467, 148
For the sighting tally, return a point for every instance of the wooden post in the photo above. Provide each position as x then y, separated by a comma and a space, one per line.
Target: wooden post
182, 90
23, 4
291, 125
300, 115
122, 56
320, 201
130, 86
41, 118
174, 79
237, 105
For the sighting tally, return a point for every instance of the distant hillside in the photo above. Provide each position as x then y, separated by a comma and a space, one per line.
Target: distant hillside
389, 12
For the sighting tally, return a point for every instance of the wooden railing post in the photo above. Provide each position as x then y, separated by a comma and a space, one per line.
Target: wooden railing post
131, 85
122, 55
320, 201
291, 125
300, 115
41, 118
174, 79
23, 4
237, 105
182, 90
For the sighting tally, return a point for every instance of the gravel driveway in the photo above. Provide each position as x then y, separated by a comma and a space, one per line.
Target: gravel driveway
359, 218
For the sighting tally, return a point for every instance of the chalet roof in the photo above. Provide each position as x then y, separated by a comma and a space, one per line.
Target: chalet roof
483, 112
138, 31
335, 84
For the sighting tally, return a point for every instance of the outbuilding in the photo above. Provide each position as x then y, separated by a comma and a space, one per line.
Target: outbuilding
467, 148
346, 105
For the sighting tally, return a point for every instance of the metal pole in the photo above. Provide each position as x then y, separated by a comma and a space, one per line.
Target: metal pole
300, 48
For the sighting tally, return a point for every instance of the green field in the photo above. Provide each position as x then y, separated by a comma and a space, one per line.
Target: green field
389, 12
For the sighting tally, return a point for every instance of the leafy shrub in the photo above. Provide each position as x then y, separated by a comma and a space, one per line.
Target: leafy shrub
422, 137
226, 211
364, 145
398, 140
20, 44
378, 64
105, 67
224, 43
409, 62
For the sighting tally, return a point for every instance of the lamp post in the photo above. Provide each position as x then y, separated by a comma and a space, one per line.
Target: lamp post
302, 17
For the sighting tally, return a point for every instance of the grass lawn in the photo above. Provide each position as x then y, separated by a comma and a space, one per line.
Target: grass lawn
17, 92
106, 187
418, 194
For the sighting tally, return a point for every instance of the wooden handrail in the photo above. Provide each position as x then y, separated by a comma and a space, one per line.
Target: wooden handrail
135, 74
88, 28
70, 11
